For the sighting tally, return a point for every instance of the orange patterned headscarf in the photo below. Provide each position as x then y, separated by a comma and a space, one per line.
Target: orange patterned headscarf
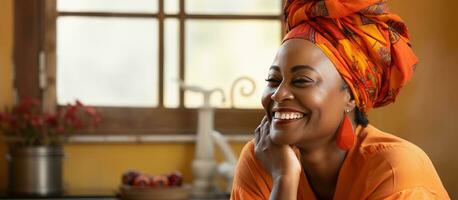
367, 43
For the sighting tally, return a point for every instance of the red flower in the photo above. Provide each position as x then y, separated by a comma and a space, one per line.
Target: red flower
51, 120
91, 111
78, 103
36, 121
70, 114
77, 124
41, 128
27, 105
14, 123
26, 117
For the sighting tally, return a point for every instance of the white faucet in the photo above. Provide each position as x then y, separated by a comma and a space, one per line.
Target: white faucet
204, 166
226, 168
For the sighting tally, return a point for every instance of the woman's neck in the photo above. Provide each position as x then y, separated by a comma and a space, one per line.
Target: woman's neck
322, 166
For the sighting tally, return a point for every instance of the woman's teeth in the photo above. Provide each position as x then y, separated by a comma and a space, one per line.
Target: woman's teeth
288, 115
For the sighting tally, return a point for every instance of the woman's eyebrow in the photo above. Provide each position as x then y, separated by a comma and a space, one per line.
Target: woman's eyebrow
294, 69
274, 67
302, 67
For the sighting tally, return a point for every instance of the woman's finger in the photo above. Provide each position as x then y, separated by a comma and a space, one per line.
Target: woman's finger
260, 134
258, 130
264, 132
257, 136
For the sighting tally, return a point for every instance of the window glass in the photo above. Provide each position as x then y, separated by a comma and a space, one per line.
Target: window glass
219, 52
107, 61
250, 7
144, 6
171, 62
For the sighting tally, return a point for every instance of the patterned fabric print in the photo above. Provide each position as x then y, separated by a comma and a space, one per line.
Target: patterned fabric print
385, 56
319, 9
365, 20
311, 35
394, 37
397, 26
376, 9
347, 32
368, 44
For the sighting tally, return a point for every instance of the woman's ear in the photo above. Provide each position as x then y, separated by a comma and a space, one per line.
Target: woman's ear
350, 103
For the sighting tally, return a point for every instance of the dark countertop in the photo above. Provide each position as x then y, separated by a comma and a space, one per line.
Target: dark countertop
95, 194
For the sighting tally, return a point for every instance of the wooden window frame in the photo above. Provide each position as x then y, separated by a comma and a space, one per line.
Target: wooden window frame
35, 42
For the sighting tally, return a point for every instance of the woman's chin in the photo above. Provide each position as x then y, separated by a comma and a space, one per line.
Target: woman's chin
282, 138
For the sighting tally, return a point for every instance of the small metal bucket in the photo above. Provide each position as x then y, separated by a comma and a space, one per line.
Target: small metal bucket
35, 170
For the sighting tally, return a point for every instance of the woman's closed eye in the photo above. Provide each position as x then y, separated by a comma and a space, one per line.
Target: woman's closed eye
302, 81
271, 82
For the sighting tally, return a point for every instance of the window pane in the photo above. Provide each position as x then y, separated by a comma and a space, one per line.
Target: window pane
171, 69
219, 52
107, 61
234, 6
149, 6
171, 6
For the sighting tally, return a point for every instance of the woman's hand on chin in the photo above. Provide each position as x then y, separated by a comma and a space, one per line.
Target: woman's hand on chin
278, 160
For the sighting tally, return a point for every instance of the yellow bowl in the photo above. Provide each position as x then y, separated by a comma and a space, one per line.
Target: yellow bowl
128, 192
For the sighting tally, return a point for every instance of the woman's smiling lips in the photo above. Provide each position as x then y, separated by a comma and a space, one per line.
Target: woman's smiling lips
284, 115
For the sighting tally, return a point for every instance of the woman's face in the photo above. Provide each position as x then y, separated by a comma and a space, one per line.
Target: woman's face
304, 99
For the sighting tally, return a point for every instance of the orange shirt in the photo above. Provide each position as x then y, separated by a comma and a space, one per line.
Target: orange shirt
379, 166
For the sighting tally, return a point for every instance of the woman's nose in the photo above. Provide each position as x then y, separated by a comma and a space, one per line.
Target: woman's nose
281, 94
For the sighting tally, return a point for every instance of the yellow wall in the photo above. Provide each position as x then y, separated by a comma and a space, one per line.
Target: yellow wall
6, 42
100, 166
6, 94
425, 113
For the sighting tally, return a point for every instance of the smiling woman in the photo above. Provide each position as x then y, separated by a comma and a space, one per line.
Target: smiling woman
337, 61
302, 73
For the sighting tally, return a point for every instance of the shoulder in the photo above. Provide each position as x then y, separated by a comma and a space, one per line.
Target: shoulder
396, 164
377, 145
247, 159
249, 174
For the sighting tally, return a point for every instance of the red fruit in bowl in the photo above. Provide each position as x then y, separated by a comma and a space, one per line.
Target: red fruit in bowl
175, 179
142, 180
129, 176
151, 182
160, 181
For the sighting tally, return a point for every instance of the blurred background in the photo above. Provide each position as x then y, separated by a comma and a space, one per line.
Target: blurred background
125, 57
